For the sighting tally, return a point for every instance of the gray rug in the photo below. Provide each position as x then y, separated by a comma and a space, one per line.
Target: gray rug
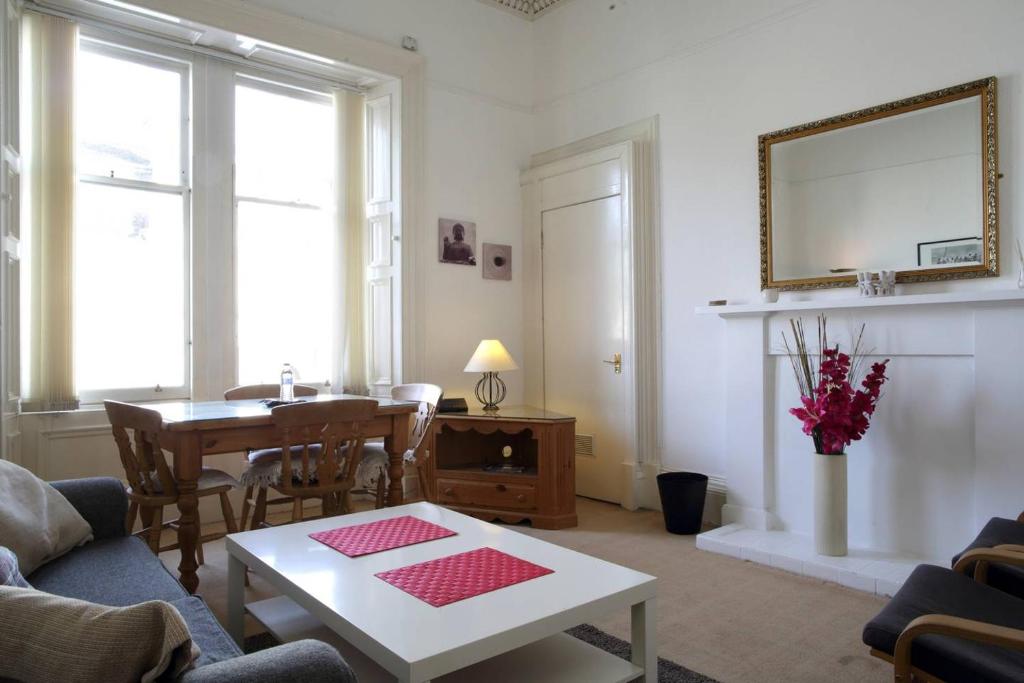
668, 671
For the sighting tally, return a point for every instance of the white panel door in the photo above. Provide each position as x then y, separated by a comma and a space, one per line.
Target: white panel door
584, 326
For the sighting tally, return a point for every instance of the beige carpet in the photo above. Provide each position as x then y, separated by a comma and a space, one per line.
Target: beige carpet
728, 619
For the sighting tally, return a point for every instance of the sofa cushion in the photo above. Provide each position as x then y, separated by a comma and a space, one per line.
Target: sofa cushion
305, 661
9, 573
937, 590
214, 643
37, 523
114, 571
998, 531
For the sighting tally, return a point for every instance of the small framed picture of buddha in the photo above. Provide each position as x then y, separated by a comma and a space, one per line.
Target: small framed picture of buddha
456, 241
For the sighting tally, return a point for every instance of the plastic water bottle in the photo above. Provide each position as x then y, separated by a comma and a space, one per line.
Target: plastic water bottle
287, 383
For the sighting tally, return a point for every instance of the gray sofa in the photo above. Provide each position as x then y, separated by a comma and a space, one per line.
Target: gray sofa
117, 569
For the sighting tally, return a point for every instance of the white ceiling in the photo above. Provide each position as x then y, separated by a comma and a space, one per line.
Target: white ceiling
527, 9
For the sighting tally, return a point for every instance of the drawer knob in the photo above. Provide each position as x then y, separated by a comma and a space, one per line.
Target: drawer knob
500, 487
449, 491
521, 498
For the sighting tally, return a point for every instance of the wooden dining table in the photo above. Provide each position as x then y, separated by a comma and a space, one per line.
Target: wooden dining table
192, 430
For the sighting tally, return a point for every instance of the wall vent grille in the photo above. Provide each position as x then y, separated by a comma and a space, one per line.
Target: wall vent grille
585, 445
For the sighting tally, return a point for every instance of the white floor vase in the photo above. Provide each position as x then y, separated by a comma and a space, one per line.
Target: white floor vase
830, 504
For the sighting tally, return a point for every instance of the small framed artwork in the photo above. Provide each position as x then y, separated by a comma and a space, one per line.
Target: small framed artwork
497, 261
965, 251
456, 242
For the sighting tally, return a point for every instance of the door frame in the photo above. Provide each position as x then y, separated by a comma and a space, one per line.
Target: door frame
635, 146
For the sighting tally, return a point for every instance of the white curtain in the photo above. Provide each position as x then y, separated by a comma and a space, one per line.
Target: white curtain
50, 44
352, 214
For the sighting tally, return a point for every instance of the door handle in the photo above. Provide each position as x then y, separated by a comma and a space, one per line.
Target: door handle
616, 361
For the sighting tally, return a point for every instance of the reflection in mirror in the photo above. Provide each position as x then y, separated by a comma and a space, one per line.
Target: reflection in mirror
904, 187
865, 197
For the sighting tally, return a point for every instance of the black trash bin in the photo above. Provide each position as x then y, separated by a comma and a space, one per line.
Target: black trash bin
682, 501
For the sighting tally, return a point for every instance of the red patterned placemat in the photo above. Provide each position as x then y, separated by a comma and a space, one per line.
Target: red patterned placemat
457, 577
384, 534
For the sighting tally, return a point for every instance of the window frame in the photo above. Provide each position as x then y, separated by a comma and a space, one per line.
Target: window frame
123, 48
299, 90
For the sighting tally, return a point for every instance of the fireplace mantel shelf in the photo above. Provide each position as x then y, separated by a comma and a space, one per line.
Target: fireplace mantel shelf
941, 298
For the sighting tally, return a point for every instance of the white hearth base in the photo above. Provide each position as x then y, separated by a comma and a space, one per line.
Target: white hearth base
871, 571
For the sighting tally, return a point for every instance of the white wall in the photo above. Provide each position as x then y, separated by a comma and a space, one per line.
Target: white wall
477, 136
718, 75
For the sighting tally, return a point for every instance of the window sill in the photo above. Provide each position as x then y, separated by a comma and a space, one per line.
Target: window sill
96, 406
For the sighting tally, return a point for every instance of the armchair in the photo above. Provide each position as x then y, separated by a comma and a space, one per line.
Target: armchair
945, 625
999, 532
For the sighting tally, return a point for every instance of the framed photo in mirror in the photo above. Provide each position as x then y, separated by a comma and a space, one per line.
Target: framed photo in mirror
959, 252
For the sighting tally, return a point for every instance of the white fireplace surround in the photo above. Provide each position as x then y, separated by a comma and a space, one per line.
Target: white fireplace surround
945, 451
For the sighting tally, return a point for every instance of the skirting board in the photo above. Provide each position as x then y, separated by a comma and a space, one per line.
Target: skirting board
871, 571
751, 518
645, 491
713, 502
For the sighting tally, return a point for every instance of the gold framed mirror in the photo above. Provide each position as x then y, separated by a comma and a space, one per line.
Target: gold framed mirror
908, 186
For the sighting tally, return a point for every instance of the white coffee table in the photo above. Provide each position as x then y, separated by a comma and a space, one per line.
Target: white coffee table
512, 634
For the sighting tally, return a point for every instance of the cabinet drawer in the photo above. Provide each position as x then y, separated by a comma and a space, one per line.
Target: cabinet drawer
487, 494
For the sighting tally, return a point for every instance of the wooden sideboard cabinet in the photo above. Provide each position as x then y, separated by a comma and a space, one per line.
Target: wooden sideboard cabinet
467, 471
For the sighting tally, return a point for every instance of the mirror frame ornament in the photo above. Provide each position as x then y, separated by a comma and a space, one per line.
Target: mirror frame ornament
984, 88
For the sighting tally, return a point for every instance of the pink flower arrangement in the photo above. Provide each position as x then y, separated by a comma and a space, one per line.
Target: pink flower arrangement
834, 414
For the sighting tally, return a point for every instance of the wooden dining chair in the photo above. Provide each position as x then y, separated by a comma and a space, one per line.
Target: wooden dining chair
151, 485
263, 455
251, 391
321, 446
375, 457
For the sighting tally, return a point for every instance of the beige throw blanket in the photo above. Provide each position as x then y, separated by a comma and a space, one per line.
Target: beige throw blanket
46, 637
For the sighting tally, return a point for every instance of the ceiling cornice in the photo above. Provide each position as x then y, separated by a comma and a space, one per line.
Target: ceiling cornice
525, 9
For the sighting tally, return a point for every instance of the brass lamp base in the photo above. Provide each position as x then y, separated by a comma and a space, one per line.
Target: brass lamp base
490, 391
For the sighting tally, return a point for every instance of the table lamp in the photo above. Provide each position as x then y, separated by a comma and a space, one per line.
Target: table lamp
490, 358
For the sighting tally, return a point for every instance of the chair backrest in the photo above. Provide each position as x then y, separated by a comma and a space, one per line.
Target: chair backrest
248, 391
144, 462
339, 427
428, 396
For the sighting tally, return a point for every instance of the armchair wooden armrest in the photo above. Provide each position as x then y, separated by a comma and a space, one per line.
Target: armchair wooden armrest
1020, 517
1010, 547
957, 627
1004, 554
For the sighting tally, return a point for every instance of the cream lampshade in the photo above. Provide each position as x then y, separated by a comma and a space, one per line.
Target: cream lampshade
490, 358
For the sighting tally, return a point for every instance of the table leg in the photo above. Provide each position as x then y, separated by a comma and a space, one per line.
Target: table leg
644, 639
187, 467
396, 470
236, 599
396, 444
